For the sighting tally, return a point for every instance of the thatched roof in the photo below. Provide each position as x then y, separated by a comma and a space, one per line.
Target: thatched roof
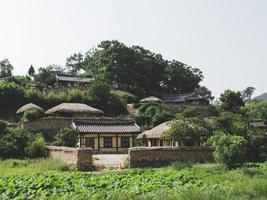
150, 99
156, 132
74, 108
29, 106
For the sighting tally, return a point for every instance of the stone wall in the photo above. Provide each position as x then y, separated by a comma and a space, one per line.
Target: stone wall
47, 123
162, 156
81, 158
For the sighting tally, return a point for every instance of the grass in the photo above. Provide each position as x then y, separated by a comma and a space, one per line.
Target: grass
180, 181
12, 167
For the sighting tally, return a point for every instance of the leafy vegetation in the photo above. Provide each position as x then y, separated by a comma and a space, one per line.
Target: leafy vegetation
205, 181
66, 137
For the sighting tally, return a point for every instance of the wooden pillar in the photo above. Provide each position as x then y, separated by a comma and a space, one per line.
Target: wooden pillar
98, 142
117, 141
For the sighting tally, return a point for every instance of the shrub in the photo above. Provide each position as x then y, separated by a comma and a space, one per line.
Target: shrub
229, 149
37, 147
31, 115
66, 137
162, 117
3, 126
129, 98
13, 143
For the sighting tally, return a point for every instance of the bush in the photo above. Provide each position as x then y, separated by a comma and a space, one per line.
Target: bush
31, 115
37, 147
229, 149
66, 137
129, 98
3, 126
13, 143
162, 117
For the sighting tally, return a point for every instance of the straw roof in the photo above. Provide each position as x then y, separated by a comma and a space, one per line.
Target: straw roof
156, 132
29, 106
74, 108
150, 99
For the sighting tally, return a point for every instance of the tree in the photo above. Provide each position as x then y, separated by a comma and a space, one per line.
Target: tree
247, 93
5, 68
205, 93
36, 147
231, 101
47, 75
66, 137
181, 78
182, 128
75, 63
229, 149
31, 71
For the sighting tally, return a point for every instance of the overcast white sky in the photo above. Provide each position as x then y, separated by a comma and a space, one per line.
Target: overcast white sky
226, 39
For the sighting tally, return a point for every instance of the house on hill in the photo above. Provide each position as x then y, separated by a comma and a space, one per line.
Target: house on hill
176, 101
106, 135
157, 137
67, 80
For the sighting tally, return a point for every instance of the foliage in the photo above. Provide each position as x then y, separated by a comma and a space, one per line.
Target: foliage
3, 126
256, 109
231, 101
66, 137
205, 93
152, 114
31, 115
13, 143
232, 123
139, 70
5, 68
229, 149
11, 96
247, 93
31, 71
75, 63
47, 75
190, 112
126, 96
36, 147
206, 181
103, 99
184, 128
14, 167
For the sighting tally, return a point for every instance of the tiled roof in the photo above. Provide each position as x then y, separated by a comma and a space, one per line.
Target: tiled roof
180, 97
106, 126
68, 78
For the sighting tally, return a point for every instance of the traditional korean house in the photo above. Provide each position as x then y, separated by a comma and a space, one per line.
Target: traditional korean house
106, 135
74, 110
67, 80
157, 137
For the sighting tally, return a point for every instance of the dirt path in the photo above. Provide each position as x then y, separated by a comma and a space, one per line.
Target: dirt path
110, 160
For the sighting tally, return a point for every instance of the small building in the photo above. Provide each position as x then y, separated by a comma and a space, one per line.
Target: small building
74, 110
107, 135
151, 99
157, 137
8, 78
29, 106
67, 80
260, 124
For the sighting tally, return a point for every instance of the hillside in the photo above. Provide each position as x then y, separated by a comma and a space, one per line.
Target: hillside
262, 97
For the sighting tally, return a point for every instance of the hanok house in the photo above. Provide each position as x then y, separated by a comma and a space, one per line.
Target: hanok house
157, 137
67, 80
107, 135
79, 110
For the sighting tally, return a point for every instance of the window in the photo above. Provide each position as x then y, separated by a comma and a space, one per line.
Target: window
125, 143
188, 143
154, 142
107, 142
90, 142
161, 143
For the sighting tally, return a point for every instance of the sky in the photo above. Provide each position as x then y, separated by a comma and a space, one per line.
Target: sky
226, 39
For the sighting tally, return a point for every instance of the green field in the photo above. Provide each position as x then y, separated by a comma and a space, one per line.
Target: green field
199, 181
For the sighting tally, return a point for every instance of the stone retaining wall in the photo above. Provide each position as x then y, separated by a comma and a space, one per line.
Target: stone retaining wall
162, 156
81, 158
47, 123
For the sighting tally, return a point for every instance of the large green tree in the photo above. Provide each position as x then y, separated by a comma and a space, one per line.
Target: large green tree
47, 75
75, 63
139, 70
231, 101
5, 68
